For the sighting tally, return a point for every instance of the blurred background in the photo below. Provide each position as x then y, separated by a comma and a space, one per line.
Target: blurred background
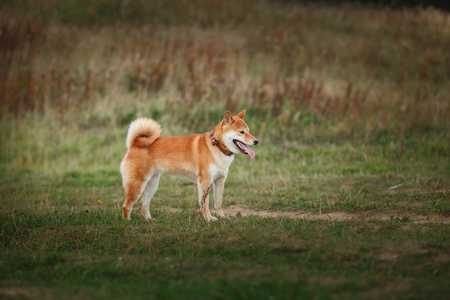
74, 74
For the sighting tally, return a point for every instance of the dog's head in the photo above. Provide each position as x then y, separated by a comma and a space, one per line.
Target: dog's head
236, 135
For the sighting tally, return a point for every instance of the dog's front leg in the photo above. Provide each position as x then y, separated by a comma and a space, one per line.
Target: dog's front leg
219, 185
203, 198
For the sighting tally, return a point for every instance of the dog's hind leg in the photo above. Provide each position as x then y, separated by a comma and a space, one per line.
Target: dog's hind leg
219, 185
203, 198
134, 190
149, 191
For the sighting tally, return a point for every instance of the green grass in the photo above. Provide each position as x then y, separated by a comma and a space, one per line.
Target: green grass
58, 241
95, 254
353, 122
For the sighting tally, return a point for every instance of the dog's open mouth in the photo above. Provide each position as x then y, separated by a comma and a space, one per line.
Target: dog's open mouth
244, 148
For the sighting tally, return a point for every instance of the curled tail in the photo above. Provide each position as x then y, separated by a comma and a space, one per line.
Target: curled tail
142, 133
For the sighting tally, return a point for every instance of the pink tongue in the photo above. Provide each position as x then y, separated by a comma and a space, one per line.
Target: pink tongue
249, 152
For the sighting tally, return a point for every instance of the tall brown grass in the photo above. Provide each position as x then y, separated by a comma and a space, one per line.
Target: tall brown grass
355, 69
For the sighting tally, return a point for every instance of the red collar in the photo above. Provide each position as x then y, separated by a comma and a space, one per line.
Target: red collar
222, 149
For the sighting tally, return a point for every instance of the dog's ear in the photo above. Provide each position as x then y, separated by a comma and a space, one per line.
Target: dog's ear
241, 114
228, 118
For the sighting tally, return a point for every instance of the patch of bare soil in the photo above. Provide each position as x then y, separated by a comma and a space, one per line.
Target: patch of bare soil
19, 292
244, 210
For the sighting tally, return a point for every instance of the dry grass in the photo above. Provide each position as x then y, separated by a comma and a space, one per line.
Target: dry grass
371, 70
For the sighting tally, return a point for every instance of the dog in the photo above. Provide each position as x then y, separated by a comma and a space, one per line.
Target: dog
204, 158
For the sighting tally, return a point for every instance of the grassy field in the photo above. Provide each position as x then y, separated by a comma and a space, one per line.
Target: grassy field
347, 197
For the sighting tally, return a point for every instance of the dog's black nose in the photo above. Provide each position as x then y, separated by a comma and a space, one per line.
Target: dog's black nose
255, 142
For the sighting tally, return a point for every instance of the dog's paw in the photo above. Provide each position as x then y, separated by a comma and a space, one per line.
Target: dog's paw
222, 216
213, 219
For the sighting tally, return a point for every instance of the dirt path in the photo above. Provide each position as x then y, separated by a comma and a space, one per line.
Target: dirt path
244, 210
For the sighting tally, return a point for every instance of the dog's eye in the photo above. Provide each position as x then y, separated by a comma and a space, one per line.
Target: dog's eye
241, 132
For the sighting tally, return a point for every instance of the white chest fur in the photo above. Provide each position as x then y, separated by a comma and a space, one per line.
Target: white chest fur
221, 167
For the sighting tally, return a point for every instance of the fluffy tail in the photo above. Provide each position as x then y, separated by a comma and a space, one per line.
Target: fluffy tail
142, 133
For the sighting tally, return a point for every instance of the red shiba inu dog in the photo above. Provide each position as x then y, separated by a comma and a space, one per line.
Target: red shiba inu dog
205, 158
